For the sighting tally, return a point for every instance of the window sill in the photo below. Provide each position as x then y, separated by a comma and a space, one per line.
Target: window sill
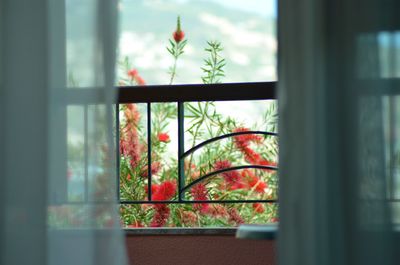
180, 231
266, 232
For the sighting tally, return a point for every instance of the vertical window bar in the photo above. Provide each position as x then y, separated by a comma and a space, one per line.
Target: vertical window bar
86, 152
392, 143
149, 150
117, 137
181, 150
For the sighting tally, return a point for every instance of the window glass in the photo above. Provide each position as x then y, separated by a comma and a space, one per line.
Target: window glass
244, 30
251, 140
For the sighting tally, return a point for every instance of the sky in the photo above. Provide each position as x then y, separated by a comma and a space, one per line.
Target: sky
261, 7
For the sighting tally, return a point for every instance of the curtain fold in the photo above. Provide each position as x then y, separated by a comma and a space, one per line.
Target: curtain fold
58, 172
336, 174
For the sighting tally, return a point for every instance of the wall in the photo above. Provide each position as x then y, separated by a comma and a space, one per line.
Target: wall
198, 249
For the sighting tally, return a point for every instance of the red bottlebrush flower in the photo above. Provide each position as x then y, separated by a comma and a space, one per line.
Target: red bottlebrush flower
199, 193
188, 218
235, 217
133, 73
217, 210
128, 177
165, 191
163, 137
268, 163
129, 139
161, 215
178, 35
274, 220
132, 114
155, 168
259, 185
251, 156
253, 181
154, 188
258, 207
140, 81
233, 178
244, 139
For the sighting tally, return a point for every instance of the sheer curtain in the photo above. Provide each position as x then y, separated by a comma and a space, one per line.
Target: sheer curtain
338, 86
58, 176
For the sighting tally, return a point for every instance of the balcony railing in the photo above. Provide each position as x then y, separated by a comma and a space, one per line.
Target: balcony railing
188, 93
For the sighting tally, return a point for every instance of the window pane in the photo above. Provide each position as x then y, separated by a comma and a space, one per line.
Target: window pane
133, 152
246, 31
210, 120
76, 153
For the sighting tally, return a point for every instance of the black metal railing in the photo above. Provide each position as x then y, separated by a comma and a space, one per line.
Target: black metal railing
188, 93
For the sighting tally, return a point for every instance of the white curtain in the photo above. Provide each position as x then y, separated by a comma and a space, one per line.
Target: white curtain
338, 86
57, 156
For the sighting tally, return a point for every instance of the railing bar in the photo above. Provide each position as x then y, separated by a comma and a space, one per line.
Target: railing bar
197, 92
225, 170
191, 150
191, 202
181, 150
149, 160
171, 202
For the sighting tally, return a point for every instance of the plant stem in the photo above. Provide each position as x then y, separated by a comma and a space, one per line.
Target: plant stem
173, 71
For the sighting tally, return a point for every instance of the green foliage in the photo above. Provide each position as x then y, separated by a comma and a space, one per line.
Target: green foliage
214, 64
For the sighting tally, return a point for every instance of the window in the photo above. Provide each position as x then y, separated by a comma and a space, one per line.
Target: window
241, 34
190, 154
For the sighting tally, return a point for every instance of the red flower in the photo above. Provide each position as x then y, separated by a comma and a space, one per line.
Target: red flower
188, 218
243, 140
217, 210
154, 188
251, 156
163, 137
155, 168
132, 114
133, 73
258, 207
129, 139
161, 215
165, 191
199, 193
178, 34
233, 178
253, 181
235, 217
265, 162
274, 220
128, 177
140, 81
